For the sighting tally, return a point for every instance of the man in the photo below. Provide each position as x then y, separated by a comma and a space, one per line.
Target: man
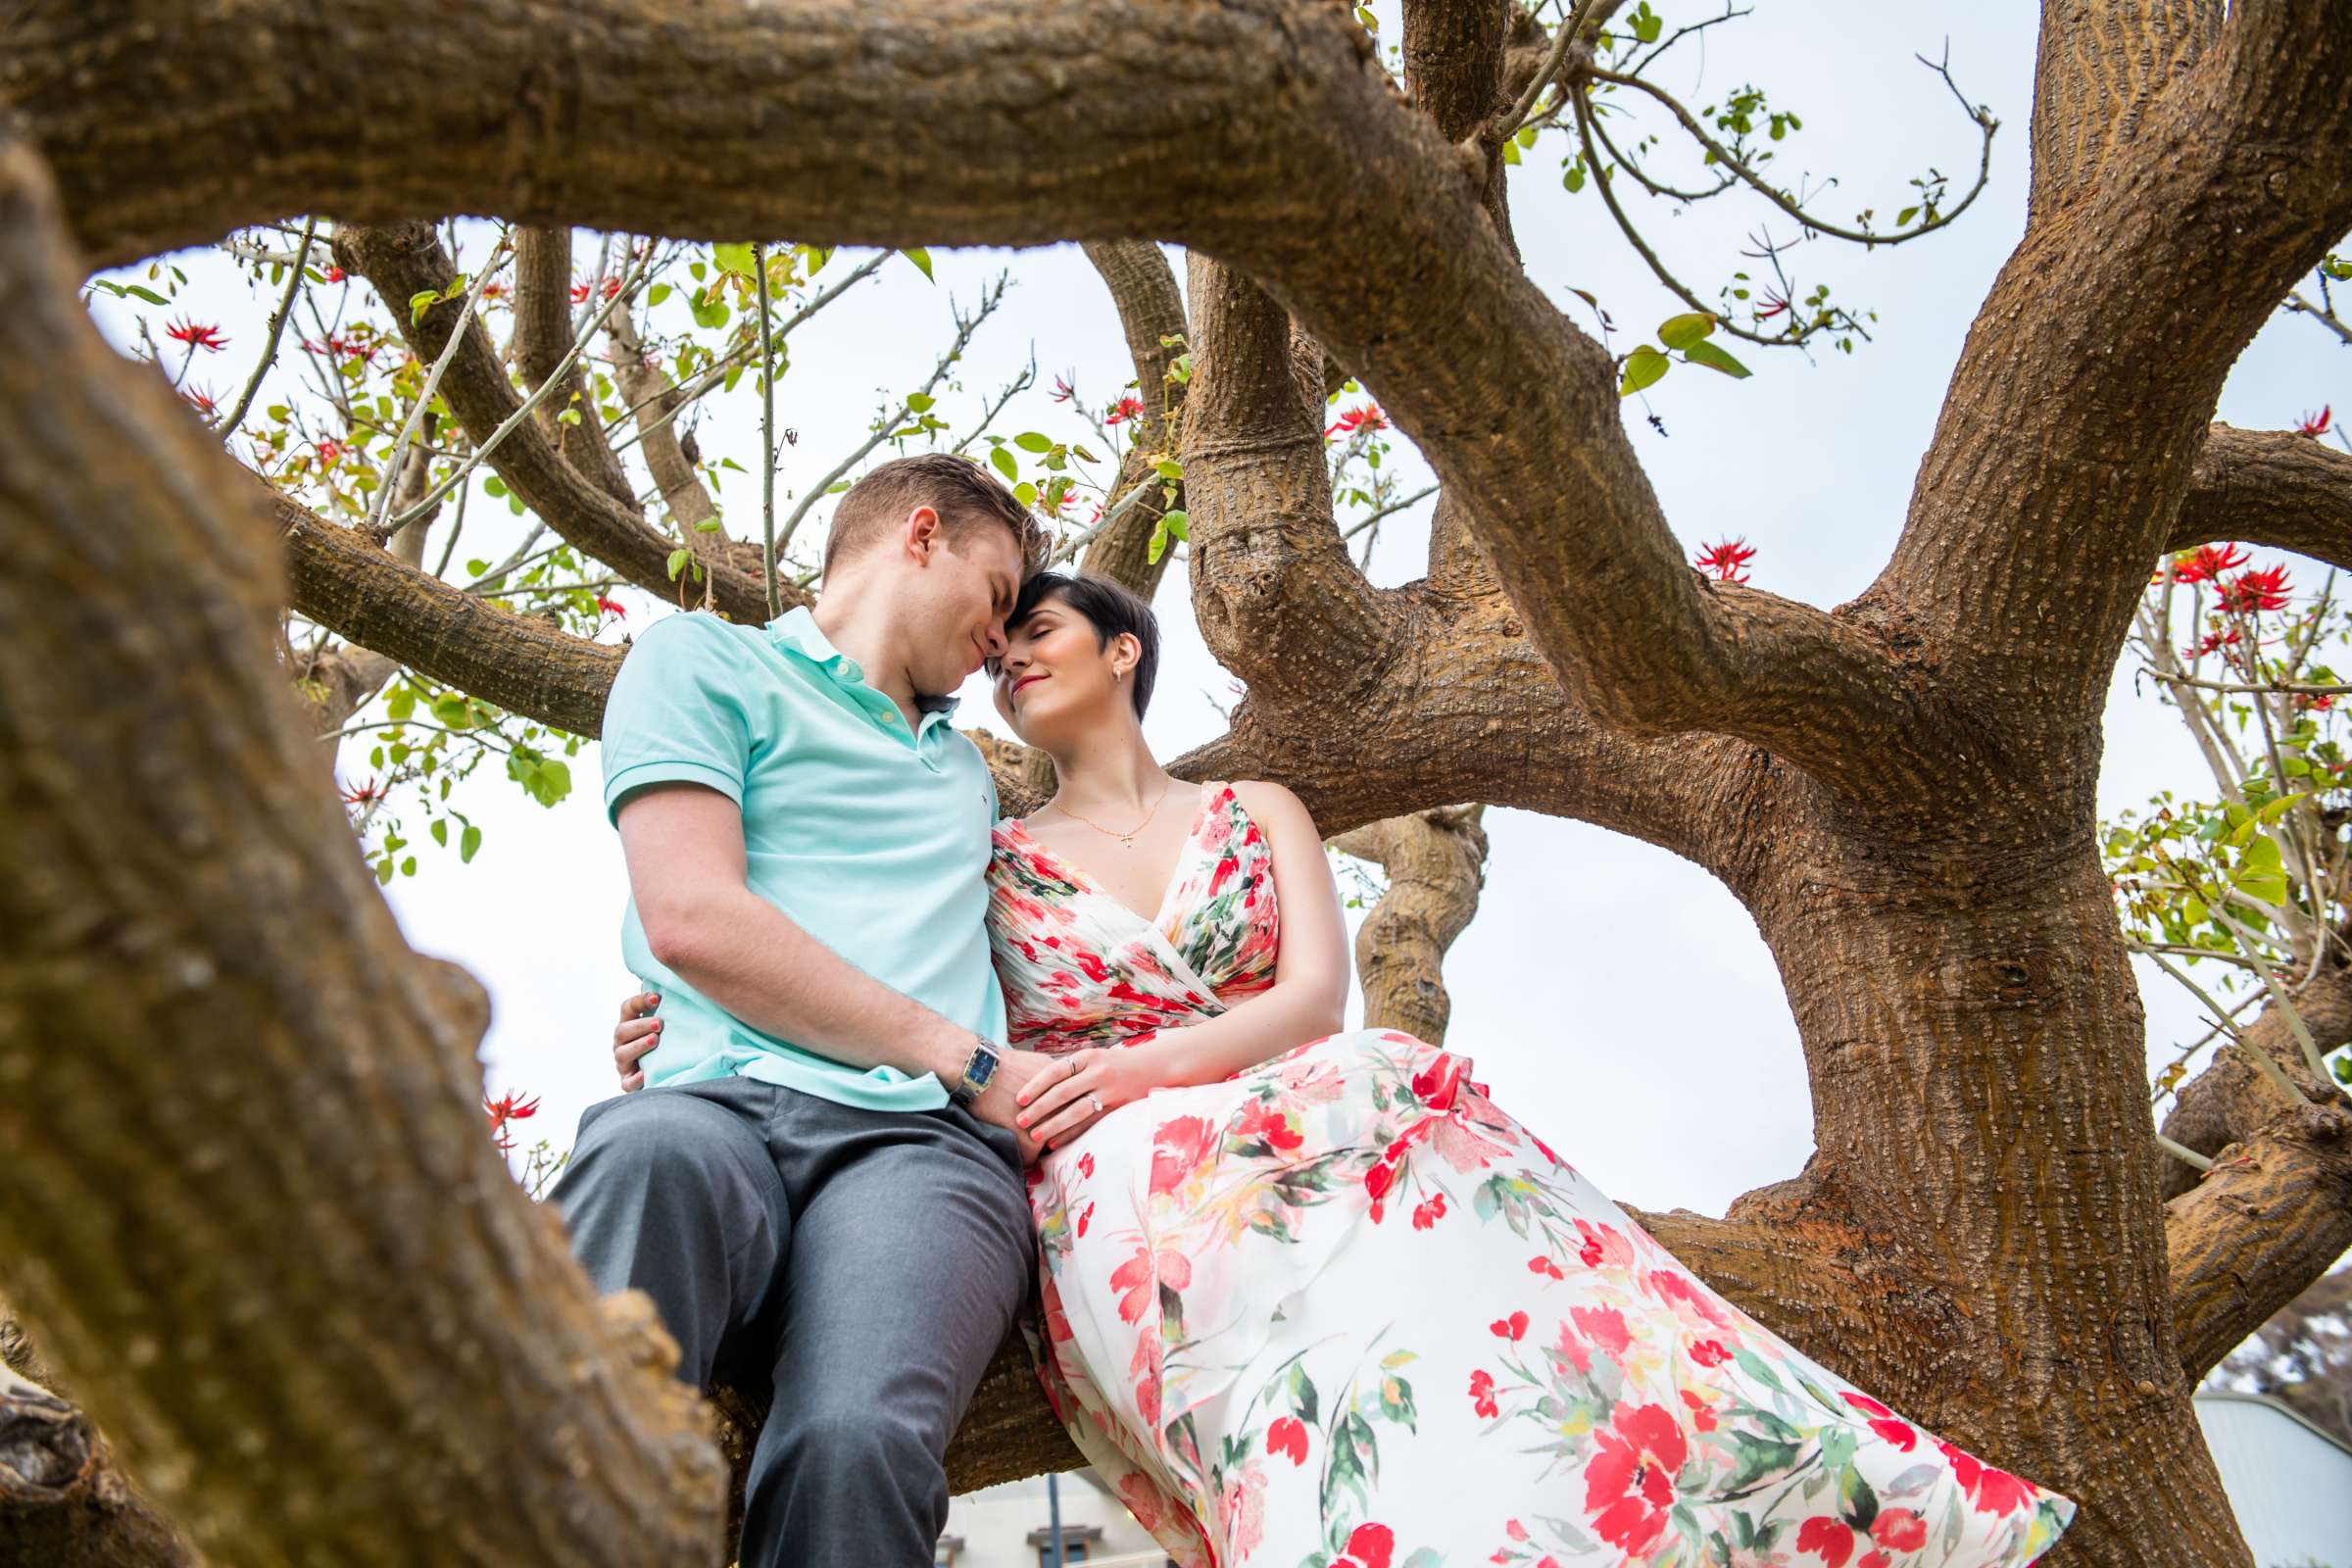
821, 1182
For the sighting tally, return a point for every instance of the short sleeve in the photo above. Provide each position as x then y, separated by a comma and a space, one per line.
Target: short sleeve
675, 713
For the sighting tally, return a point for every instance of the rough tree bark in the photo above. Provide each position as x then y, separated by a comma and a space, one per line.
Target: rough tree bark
1900, 789
65, 1503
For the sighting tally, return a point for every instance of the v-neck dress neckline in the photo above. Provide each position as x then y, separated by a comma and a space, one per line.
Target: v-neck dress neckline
1158, 920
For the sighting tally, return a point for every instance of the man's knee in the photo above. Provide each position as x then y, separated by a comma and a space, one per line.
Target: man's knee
656, 1139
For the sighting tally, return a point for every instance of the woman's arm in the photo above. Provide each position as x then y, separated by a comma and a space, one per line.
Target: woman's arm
1307, 999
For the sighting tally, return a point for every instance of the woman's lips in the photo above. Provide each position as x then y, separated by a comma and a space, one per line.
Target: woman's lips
1018, 684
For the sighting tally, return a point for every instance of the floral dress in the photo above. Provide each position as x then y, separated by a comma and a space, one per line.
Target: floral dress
1340, 1311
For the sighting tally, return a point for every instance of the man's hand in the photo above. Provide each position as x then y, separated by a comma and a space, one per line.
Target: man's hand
639, 1032
1000, 1103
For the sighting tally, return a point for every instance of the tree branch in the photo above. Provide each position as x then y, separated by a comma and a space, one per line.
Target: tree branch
2268, 487
306, 1322
358, 590
1143, 288
1437, 862
408, 259
2098, 67
2079, 406
543, 336
2273, 1214
65, 1503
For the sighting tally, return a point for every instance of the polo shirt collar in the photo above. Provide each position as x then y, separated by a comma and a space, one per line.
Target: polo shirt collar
798, 630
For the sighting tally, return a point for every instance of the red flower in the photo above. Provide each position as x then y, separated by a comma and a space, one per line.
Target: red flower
1083, 1217
1727, 558
1482, 1394
1703, 1417
1897, 1433
202, 401
1066, 387
1129, 406
1605, 1326
1865, 1404
328, 452
2257, 590
1513, 1327
196, 336
1628, 1485
1706, 1353
1261, 1120
2213, 640
1967, 1468
1287, 1437
1602, 1244
1363, 418
507, 1107
1426, 1215
1514, 1528
1832, 1539
1999, 1491
1435, 1085
1774, 305
1539, 1264
1176, 1148
579, 293
2317, 424
610, 607
1899, 1530
1371, 1546
1086, 1164
363, 794
1139, 1280
2207, 562
333, 273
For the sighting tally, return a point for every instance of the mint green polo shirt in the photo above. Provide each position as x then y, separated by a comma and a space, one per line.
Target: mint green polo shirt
874, 840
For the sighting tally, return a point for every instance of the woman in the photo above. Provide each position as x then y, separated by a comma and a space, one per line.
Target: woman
1324, 1303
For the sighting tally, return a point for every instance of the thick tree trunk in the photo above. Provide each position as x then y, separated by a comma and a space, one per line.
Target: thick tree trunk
1980, 1102
65, 1503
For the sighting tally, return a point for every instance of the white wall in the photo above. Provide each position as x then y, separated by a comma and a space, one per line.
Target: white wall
2291, 1482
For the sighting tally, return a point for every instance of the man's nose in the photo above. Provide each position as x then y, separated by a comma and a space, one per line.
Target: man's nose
996, 643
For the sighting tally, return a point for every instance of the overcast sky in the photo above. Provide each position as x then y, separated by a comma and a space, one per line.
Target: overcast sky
1617, 999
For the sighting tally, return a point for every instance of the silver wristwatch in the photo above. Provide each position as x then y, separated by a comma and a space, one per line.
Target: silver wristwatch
978, 1069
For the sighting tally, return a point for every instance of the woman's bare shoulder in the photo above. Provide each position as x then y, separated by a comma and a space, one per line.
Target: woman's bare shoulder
1273, 804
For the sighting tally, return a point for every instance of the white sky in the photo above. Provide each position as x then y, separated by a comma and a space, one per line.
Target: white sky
1617, 999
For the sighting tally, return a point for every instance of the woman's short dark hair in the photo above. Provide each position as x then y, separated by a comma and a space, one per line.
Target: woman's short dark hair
1109, 609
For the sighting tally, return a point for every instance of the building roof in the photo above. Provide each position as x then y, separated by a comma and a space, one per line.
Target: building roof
2282, 1407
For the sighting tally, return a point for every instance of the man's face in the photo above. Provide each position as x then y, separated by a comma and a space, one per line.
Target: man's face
973, 579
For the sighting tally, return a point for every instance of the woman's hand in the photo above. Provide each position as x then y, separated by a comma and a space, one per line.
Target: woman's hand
1068, 1098
638, 1033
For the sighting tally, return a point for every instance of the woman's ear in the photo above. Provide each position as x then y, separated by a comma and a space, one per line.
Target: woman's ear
1126, 651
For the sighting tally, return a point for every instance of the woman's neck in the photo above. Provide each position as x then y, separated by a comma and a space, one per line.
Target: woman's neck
1111, 774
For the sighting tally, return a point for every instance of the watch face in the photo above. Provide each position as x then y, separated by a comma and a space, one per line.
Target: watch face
983, 1067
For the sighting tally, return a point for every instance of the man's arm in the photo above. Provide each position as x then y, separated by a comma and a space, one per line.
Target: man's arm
684, 847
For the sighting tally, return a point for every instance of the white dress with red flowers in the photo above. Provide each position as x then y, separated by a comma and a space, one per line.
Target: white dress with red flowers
1338, 1309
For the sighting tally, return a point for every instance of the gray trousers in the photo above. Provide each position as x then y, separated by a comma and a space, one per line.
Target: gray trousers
868, 1263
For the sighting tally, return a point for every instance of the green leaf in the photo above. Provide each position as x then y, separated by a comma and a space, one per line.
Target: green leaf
1177, 523
657, 294
708, 312
1527, 134
918, 402
1573, 176
147, 294
408, 865
1903, 218
423, 299
1005, 464
1681, 332
1031, 441
440, 831
403, 701
677, 561
494, 486
1158, 546
1025, 493
1510, 151
467, 842
1715, 358
922, 259
733, 258
1169, 469
706, 525
1642, 368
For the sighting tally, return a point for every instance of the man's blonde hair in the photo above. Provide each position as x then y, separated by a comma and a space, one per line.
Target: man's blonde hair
965, 496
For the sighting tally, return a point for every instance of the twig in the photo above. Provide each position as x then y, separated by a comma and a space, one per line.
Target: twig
424, 396
963, 335
2262, 1057
277, 327
1561, 42
555, 379
767, 440
2182, 1151
717, 368
2279, 999
1391, 508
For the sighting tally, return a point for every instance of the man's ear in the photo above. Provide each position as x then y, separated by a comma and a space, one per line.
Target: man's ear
921, 533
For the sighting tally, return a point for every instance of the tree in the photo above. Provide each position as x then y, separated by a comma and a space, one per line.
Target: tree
1900, 789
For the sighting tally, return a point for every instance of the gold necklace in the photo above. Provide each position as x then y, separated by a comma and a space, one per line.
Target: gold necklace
1127, 839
